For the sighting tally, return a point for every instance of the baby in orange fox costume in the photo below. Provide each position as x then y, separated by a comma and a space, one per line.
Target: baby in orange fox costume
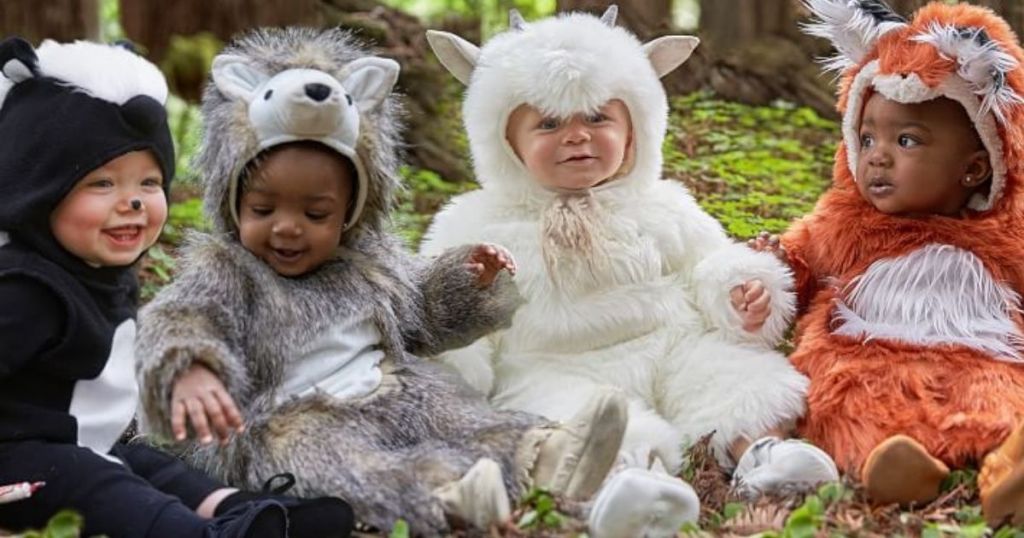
910, 269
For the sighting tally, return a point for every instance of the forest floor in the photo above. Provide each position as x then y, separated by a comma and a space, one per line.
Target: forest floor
753, 168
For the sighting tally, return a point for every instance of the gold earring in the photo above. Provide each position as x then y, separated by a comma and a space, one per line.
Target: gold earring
968, 180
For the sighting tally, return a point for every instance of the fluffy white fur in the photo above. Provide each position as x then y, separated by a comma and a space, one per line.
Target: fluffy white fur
981, 62
850, 29
640, 304
84, 65
918, 298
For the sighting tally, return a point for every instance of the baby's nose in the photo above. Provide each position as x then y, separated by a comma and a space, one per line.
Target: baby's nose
318, 92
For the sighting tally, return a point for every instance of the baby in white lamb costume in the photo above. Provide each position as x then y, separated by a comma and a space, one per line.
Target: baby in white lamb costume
628, 282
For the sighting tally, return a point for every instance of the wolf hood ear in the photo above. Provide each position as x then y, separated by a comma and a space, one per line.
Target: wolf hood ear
369, 80
853, 27
456, 54
236, 77
18, 60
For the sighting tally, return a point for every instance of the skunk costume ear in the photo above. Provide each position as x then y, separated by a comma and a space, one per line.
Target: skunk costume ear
18, 60
853, 27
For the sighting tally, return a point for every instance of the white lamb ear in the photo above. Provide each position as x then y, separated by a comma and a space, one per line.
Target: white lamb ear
853, 27
236, 77
669, 52
369, 81
456, 54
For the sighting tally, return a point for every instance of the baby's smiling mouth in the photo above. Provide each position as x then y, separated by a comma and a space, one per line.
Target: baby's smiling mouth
577, 158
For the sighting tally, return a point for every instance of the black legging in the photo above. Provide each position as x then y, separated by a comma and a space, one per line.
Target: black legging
153, 494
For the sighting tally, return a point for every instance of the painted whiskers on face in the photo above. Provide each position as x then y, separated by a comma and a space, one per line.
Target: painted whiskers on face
97, 220
293, 209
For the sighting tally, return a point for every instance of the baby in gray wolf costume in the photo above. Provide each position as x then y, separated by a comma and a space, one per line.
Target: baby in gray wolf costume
316, 346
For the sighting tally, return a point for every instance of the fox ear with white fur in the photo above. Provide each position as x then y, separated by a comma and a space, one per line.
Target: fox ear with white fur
853, 27
456, 54
236, 78
669, 52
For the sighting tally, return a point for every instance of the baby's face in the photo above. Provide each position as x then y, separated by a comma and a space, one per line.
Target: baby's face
114, 213
293, 209
571, 153
917, 159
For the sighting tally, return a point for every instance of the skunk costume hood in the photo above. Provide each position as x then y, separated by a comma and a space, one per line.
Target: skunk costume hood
564, 65
65, 110
275, 86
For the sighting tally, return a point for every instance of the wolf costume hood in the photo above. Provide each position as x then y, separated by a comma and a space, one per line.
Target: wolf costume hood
958, 280
271, 88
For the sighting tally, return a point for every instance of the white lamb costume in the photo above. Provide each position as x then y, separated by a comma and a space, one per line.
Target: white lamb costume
627, 284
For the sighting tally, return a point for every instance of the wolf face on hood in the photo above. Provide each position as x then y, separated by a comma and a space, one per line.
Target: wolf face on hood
276, 86
564, 65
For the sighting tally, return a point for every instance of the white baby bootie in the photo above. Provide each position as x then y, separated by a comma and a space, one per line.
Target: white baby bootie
479, 498
642, 503
781, 466
574, 458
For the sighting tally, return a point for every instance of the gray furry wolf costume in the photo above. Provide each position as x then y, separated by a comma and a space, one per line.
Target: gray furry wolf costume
416, 443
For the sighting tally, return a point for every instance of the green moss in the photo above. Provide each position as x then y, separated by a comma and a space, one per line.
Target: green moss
752, 168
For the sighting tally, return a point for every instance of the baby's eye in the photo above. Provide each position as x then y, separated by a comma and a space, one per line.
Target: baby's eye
597, 117
100, 183
866, 141
317, 215
548, 124
153, 182
907, 141
261, 210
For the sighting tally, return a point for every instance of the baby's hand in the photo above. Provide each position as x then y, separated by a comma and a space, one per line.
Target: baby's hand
486, 261
768, 242
200, 394
753, 303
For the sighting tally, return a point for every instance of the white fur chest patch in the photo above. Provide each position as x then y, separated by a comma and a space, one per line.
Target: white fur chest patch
938, 294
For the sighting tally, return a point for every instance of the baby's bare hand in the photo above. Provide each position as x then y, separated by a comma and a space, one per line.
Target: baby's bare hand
200, 397
753, 303
768, 242
487, 260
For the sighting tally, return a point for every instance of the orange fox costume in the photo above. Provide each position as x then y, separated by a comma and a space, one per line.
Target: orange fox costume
912, 325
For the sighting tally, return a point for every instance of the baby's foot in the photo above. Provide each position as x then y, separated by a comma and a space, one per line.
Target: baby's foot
642, 503
479, 498
900, 470
575, 458
1001, 482
777, 466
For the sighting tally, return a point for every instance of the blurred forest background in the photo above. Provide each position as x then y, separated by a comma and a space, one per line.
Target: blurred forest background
752, 133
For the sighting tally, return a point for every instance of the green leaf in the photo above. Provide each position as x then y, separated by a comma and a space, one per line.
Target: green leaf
528, 520
400, 530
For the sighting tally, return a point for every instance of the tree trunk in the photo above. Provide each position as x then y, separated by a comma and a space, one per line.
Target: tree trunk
645, 18
152, 23
61, 20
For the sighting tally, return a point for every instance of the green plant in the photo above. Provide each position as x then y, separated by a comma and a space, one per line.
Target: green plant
400, 530
65, 524
183, 216
541, 511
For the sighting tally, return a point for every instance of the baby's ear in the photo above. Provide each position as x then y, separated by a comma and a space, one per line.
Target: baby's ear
456, 54
236, 77
18, 59
369, 81
669, 52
